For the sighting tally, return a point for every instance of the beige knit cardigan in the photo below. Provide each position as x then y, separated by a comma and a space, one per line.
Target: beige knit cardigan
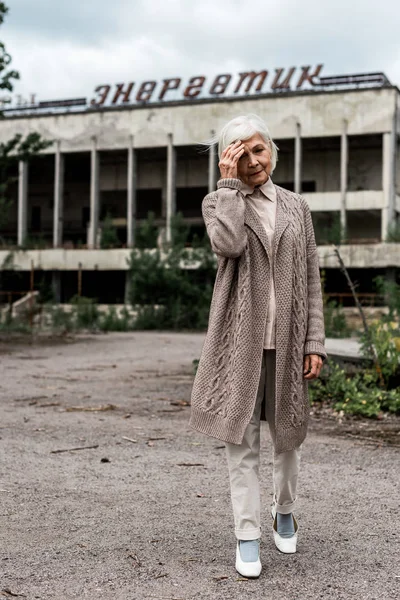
226, 383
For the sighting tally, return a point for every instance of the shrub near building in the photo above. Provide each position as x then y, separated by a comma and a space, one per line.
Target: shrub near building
165, 290
376, 388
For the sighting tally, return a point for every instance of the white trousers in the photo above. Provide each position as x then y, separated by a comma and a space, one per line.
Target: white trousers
244, 460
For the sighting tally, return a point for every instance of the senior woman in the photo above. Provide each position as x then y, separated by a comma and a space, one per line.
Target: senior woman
265, 338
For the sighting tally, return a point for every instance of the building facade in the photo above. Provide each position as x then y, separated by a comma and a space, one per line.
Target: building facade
339, 148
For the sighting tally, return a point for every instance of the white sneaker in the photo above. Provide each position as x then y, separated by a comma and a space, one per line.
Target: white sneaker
285, 545
248, 569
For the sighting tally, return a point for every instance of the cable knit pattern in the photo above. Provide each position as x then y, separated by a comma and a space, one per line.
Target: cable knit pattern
225, 387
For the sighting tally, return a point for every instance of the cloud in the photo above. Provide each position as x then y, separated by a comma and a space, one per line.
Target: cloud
66, 49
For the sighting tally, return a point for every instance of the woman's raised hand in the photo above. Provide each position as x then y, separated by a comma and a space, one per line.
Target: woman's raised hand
229, 160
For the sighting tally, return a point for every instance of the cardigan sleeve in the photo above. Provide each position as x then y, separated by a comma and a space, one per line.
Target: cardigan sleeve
315, 338
223, 214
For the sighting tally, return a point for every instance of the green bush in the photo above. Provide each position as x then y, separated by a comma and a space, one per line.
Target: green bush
179, 230
86, 313
147, 232
110, 321
393, 235
375, 389
332, 233
169, 296
383, 335
334, 317
36, 242
150, 317
10, 325
60, 319
335, 320
357, 394
390, 290
109, 237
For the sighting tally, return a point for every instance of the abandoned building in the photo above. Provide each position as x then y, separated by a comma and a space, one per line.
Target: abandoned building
338, 146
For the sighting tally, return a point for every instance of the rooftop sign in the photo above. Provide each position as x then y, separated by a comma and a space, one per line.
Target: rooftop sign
175, 89
245, 84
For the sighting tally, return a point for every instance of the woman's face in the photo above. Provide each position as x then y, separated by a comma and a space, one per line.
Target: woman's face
254, 166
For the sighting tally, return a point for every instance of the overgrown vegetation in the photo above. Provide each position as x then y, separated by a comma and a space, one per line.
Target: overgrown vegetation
168, 296
393, 235
10, 325
18, 148
85, 314
147, 232
334, 317
109, 237
331, 233
371, 390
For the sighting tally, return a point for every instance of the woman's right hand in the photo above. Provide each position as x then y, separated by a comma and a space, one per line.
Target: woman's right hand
229, 160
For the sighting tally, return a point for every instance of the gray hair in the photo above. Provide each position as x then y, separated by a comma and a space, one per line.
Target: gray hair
243, 128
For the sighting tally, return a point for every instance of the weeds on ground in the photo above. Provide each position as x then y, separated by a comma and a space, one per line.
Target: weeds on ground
10, 325
367, 393
357, 394
85, 315
111, 321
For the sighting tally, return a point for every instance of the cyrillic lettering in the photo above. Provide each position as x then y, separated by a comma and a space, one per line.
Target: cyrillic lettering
220, 84
167, 86
194, 87
146, 91
285, 84
102, 96
121, 92
306, 76
251, 75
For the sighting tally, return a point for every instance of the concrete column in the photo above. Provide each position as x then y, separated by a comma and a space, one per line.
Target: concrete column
58, 198
131, 199
22, 202
388, 181
94, 195
212, 166
163, 203
297, 160
171, 185
344, 161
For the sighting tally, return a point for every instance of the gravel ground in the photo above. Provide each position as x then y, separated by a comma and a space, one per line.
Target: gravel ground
127, 518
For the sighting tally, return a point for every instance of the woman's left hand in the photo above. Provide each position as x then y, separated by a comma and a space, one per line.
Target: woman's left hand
312, 366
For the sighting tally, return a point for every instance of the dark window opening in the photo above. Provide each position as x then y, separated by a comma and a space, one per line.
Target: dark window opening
113, 204
337, 289
148, 201
36, 218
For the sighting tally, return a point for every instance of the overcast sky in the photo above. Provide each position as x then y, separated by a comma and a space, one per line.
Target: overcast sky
65, 48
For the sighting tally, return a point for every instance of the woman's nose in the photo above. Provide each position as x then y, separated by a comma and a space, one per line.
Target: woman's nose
252, 160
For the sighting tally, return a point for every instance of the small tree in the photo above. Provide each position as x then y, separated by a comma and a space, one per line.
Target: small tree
6, 76
167, 295
109, 237
18, 148
147, 232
